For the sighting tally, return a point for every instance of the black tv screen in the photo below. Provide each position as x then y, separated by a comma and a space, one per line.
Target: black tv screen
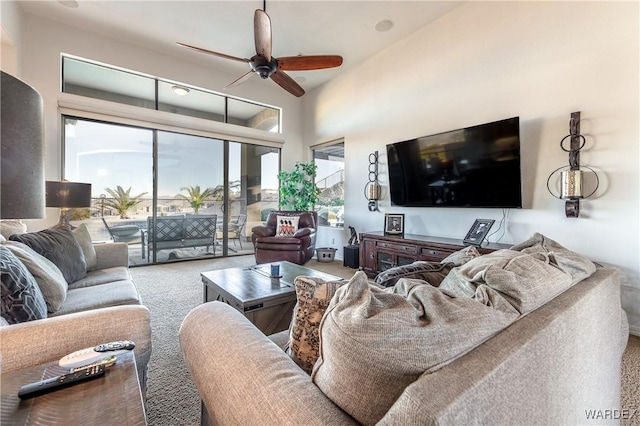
476, 166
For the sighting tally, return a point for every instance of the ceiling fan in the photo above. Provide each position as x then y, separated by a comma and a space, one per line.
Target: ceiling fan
267, 66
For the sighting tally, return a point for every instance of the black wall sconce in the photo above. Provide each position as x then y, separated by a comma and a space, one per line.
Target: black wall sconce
372, 188
571, 179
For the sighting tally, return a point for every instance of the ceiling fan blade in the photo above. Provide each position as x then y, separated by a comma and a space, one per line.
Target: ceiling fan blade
240, 80
287, 83
262, 33
211, 52
309, 62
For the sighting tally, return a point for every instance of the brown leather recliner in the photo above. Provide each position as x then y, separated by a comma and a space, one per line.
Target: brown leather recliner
297, 249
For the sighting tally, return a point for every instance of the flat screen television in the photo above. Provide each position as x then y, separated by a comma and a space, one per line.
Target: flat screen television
476, 166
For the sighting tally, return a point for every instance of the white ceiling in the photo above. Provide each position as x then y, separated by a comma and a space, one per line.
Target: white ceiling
345, 28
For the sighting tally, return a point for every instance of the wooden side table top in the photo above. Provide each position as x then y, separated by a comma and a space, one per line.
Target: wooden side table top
113, 399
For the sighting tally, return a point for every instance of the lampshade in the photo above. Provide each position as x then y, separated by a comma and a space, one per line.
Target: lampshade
22, 154
68, 194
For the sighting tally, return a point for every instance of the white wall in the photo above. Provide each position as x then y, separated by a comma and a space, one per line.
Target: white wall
11, 15
487, 61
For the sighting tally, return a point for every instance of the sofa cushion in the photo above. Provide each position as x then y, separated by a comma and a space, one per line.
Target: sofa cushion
375, 342
86, 245
21, 297
102, 296
49, 278
313, 296
59, 246
431, 272
287, 226
462, 256
102, 276
520, 279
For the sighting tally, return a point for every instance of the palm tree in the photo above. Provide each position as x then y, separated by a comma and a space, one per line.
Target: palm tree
195, 197
234, 190
122, 200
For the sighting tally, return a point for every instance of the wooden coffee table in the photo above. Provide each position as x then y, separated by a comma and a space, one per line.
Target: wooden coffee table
267, 302
113, 399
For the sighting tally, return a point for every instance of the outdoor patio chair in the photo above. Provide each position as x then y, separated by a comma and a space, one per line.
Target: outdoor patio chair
123, 233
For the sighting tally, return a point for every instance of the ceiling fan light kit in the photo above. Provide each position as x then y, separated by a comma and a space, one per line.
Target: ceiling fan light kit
267, 66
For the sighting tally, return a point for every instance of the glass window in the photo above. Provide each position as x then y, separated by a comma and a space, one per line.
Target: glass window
253, 115
330, 181
183, 100
84, 78
110, 84
117, 161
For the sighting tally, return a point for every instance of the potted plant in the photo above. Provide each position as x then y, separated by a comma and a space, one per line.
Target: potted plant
298, 190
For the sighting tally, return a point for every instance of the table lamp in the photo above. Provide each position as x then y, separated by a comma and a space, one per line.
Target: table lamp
67, 195
22, 154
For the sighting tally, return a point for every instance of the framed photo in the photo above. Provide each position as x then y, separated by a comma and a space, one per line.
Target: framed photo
393, 224
478, 231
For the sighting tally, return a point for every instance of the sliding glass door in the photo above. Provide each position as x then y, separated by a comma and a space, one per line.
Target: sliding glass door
118, 162
168, 195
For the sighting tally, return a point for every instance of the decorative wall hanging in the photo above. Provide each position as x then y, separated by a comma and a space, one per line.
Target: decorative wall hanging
372, 188
571, 179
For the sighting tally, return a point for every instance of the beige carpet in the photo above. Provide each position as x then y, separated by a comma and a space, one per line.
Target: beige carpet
172, 290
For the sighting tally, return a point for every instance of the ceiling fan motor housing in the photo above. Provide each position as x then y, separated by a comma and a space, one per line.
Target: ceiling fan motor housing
263, 67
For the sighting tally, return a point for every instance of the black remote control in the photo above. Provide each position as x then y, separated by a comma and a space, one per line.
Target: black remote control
59, 382
115, 346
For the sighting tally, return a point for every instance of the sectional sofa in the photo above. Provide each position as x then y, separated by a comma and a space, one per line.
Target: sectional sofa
530, 335
90, 300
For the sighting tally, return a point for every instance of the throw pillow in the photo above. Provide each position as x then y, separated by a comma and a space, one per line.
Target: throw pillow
59, 246
520, 279
431, 272
21, 298
84, 240
313, 296
376, 342
462, 256
8, 227
287, 225
49, 278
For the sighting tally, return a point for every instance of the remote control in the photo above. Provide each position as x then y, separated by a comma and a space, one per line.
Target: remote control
59, 382
107, 362
95, 354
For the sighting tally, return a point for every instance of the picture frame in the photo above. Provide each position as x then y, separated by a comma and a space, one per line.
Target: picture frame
478, 232
394, 224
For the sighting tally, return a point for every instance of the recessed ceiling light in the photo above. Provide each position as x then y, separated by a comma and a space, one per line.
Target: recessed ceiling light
300, 79
69, 3
384, 25
179, 90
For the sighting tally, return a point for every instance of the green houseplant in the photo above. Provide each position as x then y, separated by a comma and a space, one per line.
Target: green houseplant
298, 190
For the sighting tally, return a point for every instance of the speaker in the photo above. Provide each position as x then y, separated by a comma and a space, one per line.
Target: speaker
352, 257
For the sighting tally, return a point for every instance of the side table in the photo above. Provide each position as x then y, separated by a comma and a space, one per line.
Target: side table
113, 399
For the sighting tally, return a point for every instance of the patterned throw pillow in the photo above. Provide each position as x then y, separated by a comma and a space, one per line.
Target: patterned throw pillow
287, 226
431, 272
21, 297
49, 278
313, 296
59, 246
